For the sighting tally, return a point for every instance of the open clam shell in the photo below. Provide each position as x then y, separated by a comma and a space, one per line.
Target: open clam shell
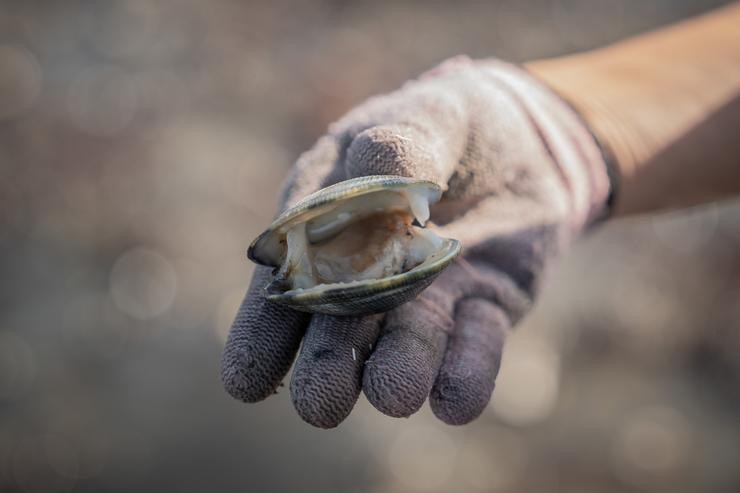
354, 248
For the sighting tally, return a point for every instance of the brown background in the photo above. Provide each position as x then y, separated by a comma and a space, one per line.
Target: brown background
141, 147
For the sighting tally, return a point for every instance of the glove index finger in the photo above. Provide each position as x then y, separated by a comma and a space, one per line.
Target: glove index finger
315, 169
420, 131
400, 149
262, 344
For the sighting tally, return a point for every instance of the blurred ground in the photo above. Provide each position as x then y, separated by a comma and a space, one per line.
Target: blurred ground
141, 147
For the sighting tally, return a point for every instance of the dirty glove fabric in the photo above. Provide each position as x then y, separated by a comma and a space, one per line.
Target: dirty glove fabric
523, 177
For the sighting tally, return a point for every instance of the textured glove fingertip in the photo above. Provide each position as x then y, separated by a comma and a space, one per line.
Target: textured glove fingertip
327, 377
467, 376
400, 374
380, 385
237, 380
458, 401
387, 150
262, 344
252, 375
313, 406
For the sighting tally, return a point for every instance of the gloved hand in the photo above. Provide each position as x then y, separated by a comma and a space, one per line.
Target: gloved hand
522, 176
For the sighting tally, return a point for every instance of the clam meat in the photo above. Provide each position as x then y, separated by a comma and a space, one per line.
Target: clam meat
356, 247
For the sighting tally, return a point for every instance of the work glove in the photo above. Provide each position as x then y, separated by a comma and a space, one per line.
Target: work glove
522, 177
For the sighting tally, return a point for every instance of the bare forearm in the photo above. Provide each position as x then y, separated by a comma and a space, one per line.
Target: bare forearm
668, 106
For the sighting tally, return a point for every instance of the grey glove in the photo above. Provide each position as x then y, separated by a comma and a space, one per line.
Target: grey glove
522, 176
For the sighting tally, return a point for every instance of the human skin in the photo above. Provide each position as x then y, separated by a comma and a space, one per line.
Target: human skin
523, 178
667, 104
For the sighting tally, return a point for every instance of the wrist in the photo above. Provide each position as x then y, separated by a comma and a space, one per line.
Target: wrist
570, 142
650, 98
612, 137
586, 90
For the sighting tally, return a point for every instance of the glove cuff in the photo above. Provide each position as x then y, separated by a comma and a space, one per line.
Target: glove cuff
607, 154
584, 163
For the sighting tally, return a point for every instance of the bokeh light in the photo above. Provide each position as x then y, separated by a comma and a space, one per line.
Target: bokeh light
17, 365
76, 457
493, 461
102, 101
422, 457
20, 81
143, 283
528, 384
653, 442
686, 231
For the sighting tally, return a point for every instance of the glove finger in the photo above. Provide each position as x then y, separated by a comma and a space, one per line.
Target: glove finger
315, 169
466, 378
265, 337
506, 236
262, 344
399, 375
327, 377
420, 132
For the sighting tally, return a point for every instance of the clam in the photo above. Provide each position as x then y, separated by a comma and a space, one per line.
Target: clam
355, 248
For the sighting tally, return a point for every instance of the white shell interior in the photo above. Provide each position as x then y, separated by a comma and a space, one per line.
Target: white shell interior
371, 236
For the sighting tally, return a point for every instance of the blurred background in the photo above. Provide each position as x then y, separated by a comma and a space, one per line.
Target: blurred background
142, 144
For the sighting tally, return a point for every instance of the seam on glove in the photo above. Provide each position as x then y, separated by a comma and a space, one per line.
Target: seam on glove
607, 155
